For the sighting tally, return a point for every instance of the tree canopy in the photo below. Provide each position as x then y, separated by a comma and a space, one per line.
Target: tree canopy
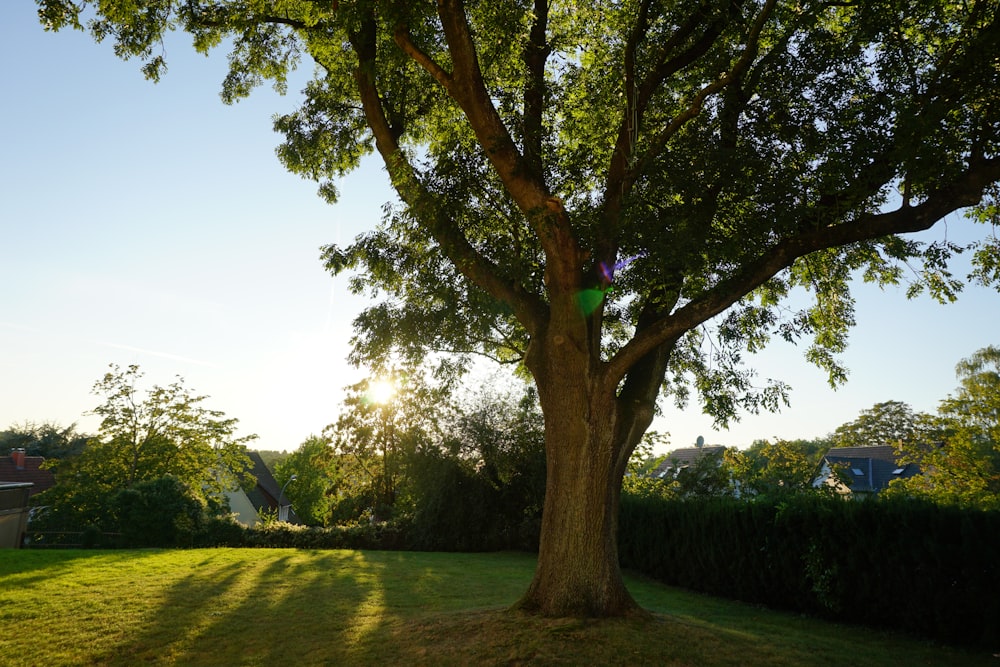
46, 439
620, 195
886, 423
141, 439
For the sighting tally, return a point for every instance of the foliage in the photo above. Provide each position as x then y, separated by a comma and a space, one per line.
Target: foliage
778, 468
373, 437
812, 450
315, 467
467, 474
141, 439
484, 488
502, 434
47, 439
901, 563
963, 467
709, 475
162, 512
763, 469
638, 479
888, 423
619, 195
271, 458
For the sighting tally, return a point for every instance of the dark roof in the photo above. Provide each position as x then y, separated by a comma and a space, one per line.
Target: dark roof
870, 469
265, 493
31, 472
682, 458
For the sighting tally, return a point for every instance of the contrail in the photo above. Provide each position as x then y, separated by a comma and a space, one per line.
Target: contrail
117, 346
154, 353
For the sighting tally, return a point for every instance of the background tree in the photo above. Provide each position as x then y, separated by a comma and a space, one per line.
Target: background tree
384, 422
963, 466
781, 467
271, 457
620, 194
638, 480
316, 470
166, 433
709, 475
503, 434
47, 439
889, 423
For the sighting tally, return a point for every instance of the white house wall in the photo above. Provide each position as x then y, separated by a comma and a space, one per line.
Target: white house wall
244, 510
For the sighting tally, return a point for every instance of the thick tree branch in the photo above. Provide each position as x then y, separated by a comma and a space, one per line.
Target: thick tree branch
693, 108
528, 308
624, 168
545, 213
636, 400
965, 190
402, 38
536, 53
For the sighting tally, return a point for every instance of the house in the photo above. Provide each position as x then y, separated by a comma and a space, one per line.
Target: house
680, 459
248, 502
23, 469
863, 471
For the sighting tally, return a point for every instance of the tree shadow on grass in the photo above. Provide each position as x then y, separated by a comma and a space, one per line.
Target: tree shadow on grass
309, 607
290, 607
25, 567
264, 613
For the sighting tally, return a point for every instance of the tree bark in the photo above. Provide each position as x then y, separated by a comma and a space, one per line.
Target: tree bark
578, 573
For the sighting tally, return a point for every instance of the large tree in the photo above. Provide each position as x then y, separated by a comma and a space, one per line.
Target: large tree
887, 423
619, 194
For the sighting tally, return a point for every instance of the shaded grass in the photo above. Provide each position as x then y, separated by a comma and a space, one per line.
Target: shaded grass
266, 607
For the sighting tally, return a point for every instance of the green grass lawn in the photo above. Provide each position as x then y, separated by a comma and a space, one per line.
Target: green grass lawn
223, 607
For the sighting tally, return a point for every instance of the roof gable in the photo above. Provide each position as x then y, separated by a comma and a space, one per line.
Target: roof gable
264, 495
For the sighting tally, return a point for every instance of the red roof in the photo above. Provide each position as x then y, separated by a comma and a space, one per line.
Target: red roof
31, 472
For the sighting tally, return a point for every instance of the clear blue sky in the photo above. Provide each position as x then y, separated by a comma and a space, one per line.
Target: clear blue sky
152, 224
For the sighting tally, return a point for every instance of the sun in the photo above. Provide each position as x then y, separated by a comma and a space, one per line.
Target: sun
381, 391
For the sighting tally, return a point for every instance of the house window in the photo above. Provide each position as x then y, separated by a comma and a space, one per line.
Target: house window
897, 471
858, 472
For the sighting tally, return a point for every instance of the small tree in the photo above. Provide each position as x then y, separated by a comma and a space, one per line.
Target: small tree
166, 433
384, 421
767, 468
709, 475
317, 470
963, 466
503, 435
162, 512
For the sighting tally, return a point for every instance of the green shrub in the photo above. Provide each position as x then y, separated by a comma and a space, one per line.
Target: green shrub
158, 513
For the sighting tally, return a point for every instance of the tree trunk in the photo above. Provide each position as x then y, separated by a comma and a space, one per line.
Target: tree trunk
578, 572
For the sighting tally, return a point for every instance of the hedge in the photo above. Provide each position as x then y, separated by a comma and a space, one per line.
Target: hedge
907, 565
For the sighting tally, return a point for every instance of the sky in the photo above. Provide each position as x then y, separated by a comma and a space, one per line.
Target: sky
152, 224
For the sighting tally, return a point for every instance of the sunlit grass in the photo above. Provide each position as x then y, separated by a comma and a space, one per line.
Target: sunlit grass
288, 607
